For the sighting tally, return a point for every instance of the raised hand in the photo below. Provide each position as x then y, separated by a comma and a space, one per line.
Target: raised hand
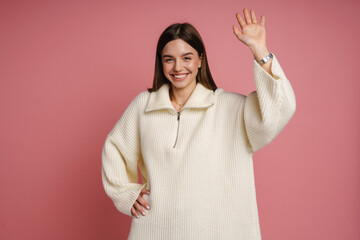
252, 34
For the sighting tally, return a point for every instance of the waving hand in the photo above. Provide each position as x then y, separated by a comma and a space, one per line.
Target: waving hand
252, 33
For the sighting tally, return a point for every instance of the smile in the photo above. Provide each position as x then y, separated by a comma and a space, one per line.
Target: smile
178, 77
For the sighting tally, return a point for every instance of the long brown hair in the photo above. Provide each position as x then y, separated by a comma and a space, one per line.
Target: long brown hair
189, 34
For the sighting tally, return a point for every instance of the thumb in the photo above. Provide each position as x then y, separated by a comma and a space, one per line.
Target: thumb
238, 33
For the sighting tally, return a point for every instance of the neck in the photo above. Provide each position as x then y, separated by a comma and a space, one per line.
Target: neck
181, 95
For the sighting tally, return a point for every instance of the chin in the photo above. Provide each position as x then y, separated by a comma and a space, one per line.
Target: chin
182, 84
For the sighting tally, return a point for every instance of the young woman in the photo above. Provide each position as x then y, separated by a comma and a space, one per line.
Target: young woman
194, 142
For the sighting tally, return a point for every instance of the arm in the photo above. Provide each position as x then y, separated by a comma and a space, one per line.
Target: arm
268, 109
120, 155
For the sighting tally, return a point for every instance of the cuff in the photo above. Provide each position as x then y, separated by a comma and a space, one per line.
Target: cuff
275, 69
127, 199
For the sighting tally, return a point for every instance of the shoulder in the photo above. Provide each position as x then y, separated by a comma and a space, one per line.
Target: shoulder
140, 99
134, 108
138, 103
228, 97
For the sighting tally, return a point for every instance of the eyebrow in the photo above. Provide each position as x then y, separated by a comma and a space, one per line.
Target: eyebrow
188, 53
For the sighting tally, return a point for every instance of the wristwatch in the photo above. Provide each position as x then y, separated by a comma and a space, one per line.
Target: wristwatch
265, 59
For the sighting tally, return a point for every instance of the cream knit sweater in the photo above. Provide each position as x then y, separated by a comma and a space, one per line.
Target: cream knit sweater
198, 162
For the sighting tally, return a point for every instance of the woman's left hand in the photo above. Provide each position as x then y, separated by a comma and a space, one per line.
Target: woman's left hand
252, 34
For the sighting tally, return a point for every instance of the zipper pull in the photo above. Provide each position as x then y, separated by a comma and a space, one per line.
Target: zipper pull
178, 116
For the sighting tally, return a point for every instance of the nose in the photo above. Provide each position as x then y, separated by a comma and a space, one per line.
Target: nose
177, 66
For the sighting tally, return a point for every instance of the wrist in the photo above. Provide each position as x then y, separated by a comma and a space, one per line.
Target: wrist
263, 62
259, 52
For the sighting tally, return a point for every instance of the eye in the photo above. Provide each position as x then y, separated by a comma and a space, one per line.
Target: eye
168, 60
187, 58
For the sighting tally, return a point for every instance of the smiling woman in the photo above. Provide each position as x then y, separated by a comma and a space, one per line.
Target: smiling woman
181, 61
179, 47
193, 142
180, 65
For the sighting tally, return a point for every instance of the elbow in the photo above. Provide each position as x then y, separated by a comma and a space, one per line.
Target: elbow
291, 107
291, 100
261, 135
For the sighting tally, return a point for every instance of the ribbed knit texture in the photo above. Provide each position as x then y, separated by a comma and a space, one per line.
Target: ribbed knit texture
199, 167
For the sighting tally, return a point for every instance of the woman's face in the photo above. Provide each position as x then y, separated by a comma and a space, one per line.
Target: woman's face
180, 63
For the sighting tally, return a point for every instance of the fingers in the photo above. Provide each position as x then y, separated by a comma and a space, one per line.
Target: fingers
140, 203
138, 207
240, 20
253, 17
143, 203
262, 21
249, 18
146, 191
134, 213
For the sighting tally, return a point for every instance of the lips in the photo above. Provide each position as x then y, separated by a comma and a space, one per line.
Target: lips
179, 77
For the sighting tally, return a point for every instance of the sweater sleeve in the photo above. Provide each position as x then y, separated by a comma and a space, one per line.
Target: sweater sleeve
120, 155
268, 109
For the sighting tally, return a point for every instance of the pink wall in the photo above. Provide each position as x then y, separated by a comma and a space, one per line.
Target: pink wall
68, 69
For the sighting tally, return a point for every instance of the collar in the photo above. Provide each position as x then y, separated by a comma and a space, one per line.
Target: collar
201, 97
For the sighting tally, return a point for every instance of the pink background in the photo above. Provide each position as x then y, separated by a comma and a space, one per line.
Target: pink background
68, 70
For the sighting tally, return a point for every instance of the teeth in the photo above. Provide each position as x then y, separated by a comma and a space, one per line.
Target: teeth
180, 76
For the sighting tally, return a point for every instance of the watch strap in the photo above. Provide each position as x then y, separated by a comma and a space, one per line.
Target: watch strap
265, 59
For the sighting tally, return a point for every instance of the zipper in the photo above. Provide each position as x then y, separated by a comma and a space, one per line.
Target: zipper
178, 116
177, 132
178, 119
